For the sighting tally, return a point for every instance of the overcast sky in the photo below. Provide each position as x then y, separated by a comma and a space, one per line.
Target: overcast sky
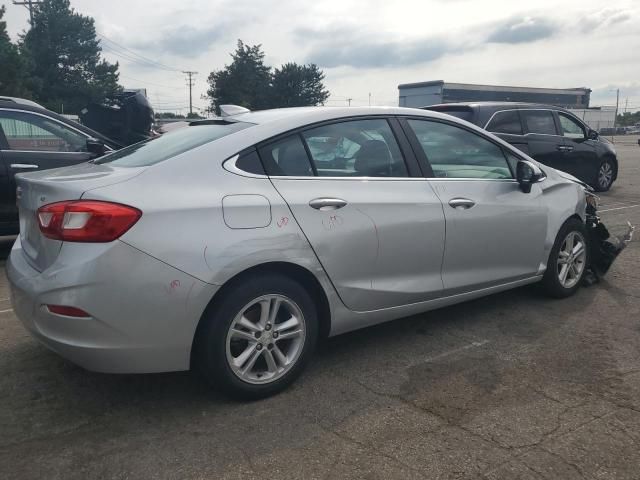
372, 46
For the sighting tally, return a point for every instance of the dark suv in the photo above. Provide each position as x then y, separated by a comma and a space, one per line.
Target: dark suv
34, 138
551, 135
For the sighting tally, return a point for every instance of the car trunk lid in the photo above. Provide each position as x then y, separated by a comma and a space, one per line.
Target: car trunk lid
42, 188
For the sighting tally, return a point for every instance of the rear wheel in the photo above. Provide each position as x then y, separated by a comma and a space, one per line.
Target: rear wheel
259, 337
568, 260
604, 178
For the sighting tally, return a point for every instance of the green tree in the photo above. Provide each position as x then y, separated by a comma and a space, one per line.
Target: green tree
294, 85
244, 82
12, 68
627, 119
64, 63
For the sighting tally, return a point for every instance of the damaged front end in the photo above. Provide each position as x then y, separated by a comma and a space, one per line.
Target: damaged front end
604, 248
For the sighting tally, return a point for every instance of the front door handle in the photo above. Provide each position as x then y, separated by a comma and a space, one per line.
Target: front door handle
564, 148
24, 166
327, 203
461, 203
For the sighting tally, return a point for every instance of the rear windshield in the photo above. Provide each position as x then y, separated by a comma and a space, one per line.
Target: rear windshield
171, 144
462, 113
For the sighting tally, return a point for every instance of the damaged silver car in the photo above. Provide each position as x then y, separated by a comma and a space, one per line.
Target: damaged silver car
232, 245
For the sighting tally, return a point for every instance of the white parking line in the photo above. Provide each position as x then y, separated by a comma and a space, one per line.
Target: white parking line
618, 208
7, 310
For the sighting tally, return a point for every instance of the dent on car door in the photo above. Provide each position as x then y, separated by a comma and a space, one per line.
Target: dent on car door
495, 233
544, 140
377, 231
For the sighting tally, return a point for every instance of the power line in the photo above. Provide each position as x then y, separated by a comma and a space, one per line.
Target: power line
134, 56
151, 83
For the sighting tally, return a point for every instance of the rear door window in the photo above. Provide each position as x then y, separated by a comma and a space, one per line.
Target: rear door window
506, 122
159, 149
355, 148
539, 121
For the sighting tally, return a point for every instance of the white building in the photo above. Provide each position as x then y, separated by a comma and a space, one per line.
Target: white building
596, 117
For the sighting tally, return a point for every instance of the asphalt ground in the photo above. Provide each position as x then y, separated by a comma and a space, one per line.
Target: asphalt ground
511, 386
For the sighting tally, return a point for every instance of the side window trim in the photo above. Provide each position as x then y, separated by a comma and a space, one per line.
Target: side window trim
405, 150
418, 151
314, 168
422, 156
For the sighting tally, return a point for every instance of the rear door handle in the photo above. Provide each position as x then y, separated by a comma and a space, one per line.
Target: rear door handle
461, 203
327, 203
24, 166
564, 148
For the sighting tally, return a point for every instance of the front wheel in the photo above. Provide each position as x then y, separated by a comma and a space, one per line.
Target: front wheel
568, 260
604, 178
259, 337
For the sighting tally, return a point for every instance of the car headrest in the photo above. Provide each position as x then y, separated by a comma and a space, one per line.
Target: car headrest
373, 159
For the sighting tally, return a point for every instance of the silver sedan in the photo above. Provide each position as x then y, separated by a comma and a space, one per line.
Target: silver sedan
235, 244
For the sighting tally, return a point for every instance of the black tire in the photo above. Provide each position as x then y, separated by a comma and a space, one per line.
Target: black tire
551, 283
605, 175
211, 343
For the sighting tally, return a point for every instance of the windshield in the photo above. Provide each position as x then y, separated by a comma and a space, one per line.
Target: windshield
155, 150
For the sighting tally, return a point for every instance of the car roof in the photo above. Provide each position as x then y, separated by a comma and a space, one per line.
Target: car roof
497, 105
30, 106
312, 114
20, 101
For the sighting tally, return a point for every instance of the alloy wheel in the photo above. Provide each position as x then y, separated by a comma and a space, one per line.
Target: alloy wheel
605, 175
265, 339
571, 259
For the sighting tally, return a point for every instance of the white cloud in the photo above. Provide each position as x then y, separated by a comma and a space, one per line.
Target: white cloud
372, 46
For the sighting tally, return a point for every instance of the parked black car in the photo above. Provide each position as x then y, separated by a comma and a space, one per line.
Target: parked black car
551, 135
34, 138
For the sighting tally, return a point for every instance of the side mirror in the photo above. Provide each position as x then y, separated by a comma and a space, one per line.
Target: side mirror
95, 146
528, 173
592, 135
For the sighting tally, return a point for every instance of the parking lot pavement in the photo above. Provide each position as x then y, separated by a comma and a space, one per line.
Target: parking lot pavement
512, 386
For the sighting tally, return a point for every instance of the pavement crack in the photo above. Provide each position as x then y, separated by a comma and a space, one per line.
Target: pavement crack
369, 448
574, 466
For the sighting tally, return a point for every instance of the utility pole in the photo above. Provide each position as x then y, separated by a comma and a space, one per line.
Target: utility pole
30, 4
190, 84
617, 105
626, 104
349, 100
369, 98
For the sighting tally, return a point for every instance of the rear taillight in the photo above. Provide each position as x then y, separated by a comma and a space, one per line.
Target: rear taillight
86, 220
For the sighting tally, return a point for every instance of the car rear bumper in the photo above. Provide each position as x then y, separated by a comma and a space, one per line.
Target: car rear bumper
143, 312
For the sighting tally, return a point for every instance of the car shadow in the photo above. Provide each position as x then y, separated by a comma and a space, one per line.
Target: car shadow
5, 246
